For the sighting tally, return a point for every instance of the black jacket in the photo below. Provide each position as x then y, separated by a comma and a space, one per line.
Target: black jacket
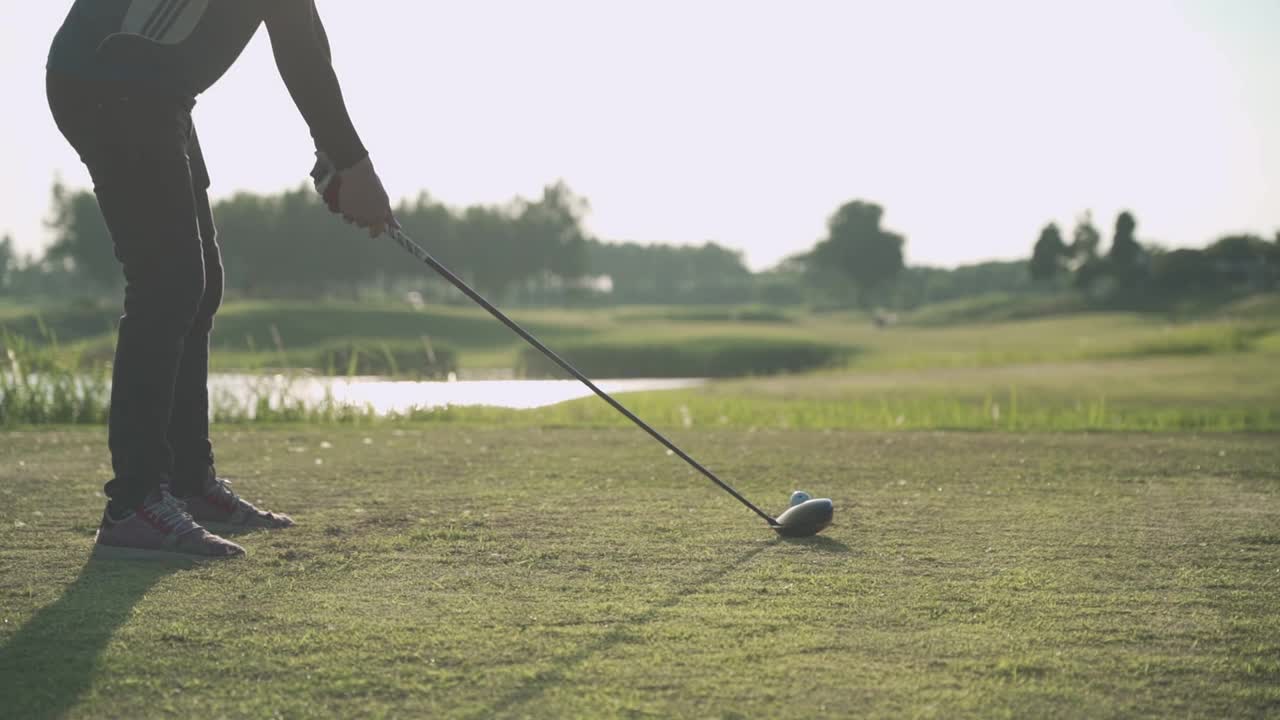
182, 47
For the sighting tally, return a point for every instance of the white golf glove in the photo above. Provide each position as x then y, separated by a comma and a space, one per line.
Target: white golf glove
355, 193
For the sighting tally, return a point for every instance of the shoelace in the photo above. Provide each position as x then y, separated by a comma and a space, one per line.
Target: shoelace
226, 494
172, 512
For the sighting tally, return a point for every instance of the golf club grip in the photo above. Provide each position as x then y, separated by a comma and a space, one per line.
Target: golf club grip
417, 251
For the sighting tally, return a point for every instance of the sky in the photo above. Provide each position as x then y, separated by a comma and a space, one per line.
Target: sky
748, 123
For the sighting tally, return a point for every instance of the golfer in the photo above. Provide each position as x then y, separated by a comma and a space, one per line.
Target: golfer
122, 79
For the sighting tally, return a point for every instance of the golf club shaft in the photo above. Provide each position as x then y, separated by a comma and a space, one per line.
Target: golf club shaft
417, 251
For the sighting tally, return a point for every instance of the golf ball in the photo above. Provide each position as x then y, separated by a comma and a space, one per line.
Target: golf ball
798, 497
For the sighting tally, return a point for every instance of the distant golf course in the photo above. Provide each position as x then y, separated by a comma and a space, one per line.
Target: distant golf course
1037, 515
991, 363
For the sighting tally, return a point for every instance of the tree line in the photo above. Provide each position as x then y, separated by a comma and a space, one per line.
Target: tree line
1130, 273
531, 251
287, 245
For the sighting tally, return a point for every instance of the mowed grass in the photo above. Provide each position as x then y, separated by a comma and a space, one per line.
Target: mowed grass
471, 572
1199, 393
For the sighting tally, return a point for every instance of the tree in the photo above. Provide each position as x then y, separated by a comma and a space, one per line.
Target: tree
505, 260
81, 238
1182, 273
661, 273
1242, 249
860, 249
1085, 239
8, 262
552, 229
1273, 260
1050, 256
1241, 261
1126, 257
1084, 252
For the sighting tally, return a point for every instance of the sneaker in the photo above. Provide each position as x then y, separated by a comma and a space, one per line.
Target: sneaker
218, 503
159, 528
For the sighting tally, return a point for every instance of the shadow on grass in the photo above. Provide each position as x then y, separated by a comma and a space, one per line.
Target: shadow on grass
51, 661
818, 542
624, 632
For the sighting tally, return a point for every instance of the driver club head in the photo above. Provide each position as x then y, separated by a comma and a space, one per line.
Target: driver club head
806, 519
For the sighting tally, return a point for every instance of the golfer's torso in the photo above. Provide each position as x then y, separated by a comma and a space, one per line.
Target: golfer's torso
172, 46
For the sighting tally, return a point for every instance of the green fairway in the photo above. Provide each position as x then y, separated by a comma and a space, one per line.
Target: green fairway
465, 571
1217, 392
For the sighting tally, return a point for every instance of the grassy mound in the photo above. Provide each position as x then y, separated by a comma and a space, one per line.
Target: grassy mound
711, 357
65, 324
996, 307
315, 325
748, 314
1199, 340
1263, 306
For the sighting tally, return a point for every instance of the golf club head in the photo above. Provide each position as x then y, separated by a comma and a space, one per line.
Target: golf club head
806, 519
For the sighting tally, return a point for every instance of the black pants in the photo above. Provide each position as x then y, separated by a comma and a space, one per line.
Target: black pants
152, 187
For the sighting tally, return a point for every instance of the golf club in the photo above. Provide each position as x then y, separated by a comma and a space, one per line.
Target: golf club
803, 520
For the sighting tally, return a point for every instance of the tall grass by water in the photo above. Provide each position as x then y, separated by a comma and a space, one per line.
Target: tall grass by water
38, 389
39, 384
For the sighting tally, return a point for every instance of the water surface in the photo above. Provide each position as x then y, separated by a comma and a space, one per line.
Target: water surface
390, 396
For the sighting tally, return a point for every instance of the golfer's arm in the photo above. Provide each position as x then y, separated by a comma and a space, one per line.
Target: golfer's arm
301, 49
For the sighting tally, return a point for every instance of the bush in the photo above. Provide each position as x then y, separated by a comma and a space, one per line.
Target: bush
719, 357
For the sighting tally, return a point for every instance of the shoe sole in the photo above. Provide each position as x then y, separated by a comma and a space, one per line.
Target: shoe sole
117, 552
239, 527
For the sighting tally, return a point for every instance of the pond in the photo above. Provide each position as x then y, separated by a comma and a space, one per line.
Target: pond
387, 396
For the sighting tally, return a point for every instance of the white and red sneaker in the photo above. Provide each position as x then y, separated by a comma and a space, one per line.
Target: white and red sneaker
217, 503
157, 528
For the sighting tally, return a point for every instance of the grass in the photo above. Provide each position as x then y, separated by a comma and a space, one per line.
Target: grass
997, 307
1214, 394
423, 359
687, 357
1206, 378
40, 384
478, 563
469, 572
255, 335
1203, 393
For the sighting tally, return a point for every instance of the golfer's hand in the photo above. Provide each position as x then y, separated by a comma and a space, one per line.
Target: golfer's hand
356, 194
